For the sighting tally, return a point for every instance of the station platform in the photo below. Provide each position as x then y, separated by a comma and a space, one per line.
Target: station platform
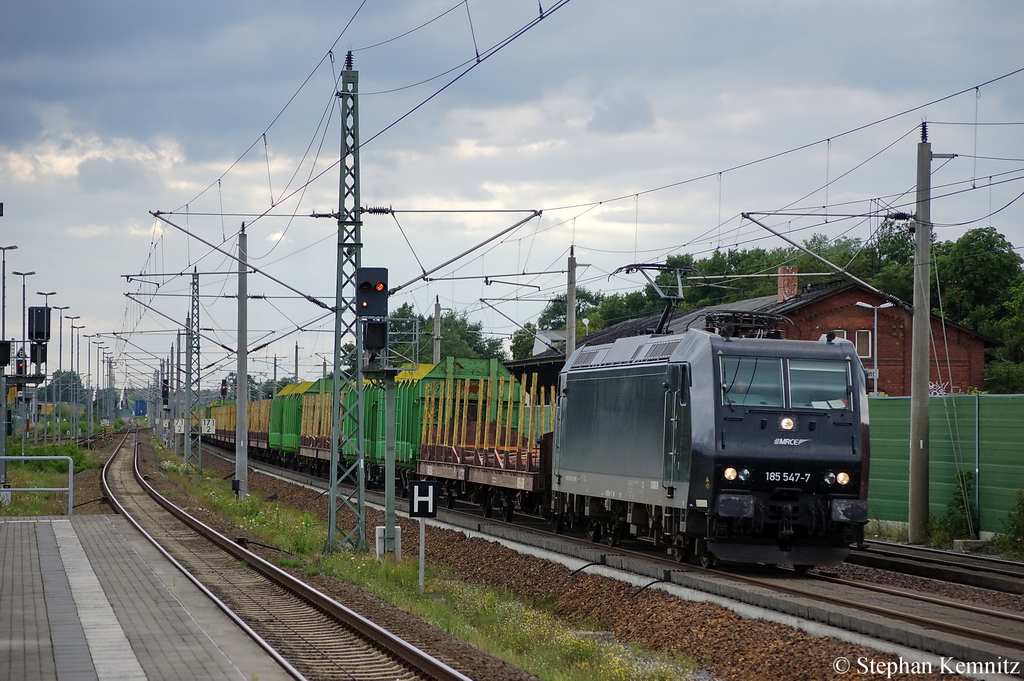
88, 598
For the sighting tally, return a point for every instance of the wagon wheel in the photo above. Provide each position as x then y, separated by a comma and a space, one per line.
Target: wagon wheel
486, 504
508, 511
594, 532
801, 569
450, 499
557, 523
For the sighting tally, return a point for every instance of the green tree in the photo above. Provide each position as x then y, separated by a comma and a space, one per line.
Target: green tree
976, 272
64, 386
553, 316
522, 341
894, 249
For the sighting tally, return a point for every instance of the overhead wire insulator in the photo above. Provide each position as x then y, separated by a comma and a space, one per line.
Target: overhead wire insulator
378, 210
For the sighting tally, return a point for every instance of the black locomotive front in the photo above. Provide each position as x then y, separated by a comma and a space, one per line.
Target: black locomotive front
786, 480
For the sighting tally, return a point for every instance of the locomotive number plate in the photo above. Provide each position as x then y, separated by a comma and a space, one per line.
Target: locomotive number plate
780, 476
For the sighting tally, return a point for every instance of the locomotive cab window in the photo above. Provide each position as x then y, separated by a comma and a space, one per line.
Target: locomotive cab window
819, 384
752, 382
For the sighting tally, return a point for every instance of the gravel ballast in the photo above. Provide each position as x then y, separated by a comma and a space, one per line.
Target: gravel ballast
726, 645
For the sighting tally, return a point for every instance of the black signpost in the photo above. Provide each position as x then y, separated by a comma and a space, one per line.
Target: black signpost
422, 504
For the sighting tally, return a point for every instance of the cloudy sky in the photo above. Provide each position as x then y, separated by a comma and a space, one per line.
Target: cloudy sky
639, 129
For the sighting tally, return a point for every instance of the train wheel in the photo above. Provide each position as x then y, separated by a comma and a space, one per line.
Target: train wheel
682, 547
508, 511
449, 499
488, 509
557, 523
613, 536
594, 532
708, 561
801, 569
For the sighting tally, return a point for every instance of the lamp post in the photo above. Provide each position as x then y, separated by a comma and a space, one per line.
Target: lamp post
3, 305
88, 379
60, 369
46, 297
24, 276
874, 337
100, 347
71, 360
78, 362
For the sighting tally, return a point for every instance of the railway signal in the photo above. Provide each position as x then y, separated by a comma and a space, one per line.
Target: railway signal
37, 353
372, 292
39, 324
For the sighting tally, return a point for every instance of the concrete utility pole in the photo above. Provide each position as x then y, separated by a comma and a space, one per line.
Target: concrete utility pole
917, 517
570, 305
242, 374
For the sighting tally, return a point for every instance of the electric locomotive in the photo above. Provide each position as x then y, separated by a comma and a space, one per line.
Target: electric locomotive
747, 449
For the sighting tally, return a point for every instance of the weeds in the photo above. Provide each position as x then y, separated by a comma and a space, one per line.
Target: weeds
1010, 542
490, 619
960, 521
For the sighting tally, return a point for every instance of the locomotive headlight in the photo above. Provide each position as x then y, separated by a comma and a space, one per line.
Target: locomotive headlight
744, 474
787, 423
730, 473
830, 478
843, 478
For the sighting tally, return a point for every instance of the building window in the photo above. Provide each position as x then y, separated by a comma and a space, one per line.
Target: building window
839, 333
863, 342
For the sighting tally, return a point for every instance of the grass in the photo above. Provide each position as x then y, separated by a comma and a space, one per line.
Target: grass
523, 634
886, 530
43, 474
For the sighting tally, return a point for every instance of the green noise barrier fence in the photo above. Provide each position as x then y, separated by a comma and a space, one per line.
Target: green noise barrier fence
982, 434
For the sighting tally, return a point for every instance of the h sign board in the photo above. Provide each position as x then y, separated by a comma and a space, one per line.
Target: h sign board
423, 499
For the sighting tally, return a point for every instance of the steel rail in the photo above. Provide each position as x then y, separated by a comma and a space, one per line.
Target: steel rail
411, 655
112, 499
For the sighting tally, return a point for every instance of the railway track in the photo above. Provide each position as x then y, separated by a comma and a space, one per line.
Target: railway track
959, 568
966, 630
313, 636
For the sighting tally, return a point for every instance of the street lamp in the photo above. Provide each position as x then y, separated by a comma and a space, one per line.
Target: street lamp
3, 305
24, 276
60, 369
874, 337
71, 357
78, 361
46, 304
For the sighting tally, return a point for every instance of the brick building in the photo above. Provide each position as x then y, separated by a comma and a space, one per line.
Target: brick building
958, 354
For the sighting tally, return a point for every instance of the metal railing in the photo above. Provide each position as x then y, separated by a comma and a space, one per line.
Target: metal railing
70, 489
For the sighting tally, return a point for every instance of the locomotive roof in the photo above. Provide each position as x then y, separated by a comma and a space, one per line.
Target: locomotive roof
694, 319
652, 349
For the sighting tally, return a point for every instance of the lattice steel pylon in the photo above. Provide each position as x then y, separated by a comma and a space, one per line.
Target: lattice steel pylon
347, 423
193, 431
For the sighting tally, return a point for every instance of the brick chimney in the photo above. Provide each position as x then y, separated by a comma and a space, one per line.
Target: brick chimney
788, 286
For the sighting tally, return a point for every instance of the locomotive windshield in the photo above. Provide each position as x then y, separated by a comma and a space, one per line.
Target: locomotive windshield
752, 381
819, 384
758, 382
